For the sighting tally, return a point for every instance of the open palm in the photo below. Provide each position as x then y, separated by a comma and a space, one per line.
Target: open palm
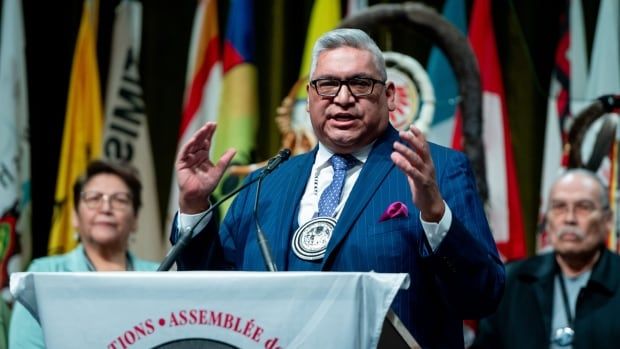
197, 175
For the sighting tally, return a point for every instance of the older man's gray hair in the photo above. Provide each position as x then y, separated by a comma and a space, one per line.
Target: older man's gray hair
603, 195
347, 37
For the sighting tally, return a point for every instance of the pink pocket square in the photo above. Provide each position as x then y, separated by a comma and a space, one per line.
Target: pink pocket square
395, 210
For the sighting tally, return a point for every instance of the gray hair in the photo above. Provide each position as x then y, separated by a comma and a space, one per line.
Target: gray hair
603, 195
347, 37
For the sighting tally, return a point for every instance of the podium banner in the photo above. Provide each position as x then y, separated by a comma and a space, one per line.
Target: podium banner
120, 310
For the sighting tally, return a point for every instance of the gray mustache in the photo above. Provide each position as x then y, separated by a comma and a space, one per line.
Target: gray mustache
570, 230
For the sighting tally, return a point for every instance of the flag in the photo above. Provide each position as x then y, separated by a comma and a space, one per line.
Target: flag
14, 144
604, 74
81, 141
504, 205
238, 113
203, 83
603, 79
126, 131
577, 56
325, 16
355, 6
442, 130
558, 112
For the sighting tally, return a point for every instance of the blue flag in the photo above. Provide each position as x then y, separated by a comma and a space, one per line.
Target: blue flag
444, 81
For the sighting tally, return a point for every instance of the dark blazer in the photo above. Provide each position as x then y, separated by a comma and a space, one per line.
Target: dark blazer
463, 278
523, 319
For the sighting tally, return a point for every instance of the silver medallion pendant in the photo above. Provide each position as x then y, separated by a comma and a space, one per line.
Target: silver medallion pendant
563, 337
310, 240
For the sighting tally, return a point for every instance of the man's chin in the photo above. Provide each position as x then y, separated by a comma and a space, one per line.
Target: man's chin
343, 143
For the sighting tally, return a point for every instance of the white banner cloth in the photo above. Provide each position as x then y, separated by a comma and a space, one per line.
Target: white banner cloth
209, 309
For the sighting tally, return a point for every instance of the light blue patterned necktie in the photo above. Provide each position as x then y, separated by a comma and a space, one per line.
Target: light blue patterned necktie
331, 195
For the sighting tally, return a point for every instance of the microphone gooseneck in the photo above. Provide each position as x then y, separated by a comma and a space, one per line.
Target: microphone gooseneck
260, 236
263, 244
187, 235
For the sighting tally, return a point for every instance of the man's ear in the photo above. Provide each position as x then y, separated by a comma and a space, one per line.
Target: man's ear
308, 98
390, 93
545, 222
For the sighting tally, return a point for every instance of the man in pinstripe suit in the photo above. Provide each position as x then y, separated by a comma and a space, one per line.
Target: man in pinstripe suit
366, 198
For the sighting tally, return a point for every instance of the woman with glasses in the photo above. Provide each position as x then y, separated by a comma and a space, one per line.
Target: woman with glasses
107, 202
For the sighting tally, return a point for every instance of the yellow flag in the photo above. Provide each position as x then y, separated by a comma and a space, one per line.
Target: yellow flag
82, 132
325, 17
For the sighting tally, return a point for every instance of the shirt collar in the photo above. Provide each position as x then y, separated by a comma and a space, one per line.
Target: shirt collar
323, 154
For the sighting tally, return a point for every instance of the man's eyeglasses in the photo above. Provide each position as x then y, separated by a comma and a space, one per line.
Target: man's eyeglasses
358, 87
580, 208
118, 201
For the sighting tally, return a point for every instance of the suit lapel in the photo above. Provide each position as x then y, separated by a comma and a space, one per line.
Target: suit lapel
375, 169
293, 187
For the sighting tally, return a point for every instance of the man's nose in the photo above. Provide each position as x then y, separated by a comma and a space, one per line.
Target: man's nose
344, 95
570, 216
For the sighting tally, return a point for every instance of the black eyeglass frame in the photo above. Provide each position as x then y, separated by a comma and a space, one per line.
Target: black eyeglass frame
346, 82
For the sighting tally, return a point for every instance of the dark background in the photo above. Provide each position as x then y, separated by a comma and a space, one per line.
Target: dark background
526, 32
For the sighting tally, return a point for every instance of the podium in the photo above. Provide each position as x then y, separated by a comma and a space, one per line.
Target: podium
120, 310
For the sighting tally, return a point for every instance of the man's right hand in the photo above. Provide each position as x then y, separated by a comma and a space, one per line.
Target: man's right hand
197, 176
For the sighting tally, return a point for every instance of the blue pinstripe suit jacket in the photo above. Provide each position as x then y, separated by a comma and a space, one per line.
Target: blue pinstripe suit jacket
462, 279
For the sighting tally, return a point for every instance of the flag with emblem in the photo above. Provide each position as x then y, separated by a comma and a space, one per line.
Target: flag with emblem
15, 212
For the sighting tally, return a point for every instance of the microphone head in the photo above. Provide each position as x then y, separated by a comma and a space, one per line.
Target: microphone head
285, 153
274, 162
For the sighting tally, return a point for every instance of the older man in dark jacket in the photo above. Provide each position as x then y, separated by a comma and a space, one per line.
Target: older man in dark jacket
568, 298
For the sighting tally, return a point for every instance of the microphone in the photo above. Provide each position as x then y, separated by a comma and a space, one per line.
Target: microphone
282, 156
260, 236
275, 161
186, 236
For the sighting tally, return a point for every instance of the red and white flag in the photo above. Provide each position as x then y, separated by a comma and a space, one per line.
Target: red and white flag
504, 204
203, 84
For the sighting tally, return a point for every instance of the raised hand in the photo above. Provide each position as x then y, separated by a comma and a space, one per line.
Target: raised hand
197, 176
416, 162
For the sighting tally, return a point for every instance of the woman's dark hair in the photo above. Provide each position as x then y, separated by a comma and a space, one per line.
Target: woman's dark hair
124, 171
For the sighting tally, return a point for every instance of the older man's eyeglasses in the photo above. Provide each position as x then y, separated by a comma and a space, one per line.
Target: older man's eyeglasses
580, 208
358, 87
118, 201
